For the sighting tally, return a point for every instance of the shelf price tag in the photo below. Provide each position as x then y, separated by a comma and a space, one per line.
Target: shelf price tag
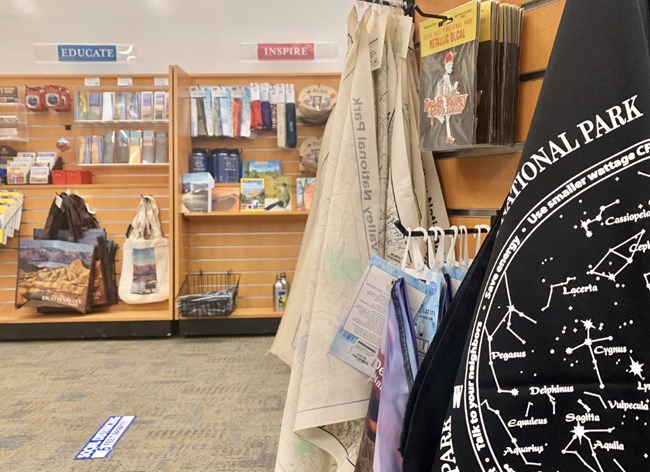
92, 82
124, 81
161, 81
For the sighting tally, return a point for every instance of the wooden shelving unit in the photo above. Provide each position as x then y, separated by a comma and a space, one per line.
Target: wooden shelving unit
114, 196
258, 245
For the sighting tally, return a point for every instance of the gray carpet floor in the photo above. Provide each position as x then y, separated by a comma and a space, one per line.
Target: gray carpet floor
202, 404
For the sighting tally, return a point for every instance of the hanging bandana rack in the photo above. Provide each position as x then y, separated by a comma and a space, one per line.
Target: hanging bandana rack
411, 8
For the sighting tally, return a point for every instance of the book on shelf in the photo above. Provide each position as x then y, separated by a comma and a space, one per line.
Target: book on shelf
305, 188
226, 198
277, 193
135, 147
251, 195
148, 151
197, 192
39, 174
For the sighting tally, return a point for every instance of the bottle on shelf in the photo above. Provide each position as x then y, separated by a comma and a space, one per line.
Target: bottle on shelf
279, 294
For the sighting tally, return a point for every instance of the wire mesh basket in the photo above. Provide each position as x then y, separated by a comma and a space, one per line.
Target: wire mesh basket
208, 294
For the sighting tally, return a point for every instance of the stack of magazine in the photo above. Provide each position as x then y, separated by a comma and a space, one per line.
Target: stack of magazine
470, 76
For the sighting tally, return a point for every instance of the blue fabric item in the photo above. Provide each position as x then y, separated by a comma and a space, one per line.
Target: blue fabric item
400, 369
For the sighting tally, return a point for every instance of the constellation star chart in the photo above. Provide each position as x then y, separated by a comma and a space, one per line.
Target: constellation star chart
588, 343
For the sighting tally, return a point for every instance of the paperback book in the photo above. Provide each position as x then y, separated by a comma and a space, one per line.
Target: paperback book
305, 188
251, 195
277, 193
226, 198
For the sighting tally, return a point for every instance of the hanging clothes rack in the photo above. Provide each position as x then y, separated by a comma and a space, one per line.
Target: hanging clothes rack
405, 231
411, 8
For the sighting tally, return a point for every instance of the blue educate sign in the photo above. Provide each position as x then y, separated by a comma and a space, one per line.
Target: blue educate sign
87, 53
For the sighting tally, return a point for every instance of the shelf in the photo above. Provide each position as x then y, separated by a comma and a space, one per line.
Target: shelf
478, 150
121, 122
155, 164
194, 215
30, 316
11, 139
83, 186
241, 313
12, 124
243, 322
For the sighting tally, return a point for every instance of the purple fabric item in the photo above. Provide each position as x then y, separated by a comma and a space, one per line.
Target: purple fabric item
400, 367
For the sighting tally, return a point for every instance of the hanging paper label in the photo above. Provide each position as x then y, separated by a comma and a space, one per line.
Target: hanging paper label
463, 29
358, 339
161, 81
376, 34
92, 82
124, 82
402, 36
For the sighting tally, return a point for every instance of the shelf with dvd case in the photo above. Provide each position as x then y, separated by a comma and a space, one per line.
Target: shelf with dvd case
13, 123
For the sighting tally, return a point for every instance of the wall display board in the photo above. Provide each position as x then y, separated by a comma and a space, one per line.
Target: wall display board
113, 194
257, 245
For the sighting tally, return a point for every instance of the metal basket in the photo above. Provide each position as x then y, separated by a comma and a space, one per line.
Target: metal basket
208, 294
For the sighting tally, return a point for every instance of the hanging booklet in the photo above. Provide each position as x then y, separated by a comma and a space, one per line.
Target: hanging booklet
358, 339
448, 79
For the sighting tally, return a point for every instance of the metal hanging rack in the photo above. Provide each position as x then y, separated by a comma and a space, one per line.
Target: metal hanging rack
411, 8
405, 231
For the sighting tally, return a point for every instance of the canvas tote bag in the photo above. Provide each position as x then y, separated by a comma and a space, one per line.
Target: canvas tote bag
145, 267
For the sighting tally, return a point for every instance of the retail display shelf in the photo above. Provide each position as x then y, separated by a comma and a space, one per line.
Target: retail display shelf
29, 316
13, 140
11, 124
479, 150
141, 164
243, 321
122, 122
242, 313
245, 215
82, 186
23, 325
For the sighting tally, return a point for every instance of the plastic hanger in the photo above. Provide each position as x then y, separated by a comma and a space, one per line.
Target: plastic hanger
477, 236
464, 246
451, 254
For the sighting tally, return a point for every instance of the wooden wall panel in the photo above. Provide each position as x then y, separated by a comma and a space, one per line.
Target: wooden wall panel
528, 95
480, 182
538, 35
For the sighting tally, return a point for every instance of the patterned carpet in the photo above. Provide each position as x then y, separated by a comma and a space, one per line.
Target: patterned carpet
206, 404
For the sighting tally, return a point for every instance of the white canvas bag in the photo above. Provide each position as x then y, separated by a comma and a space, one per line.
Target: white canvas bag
145, 266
